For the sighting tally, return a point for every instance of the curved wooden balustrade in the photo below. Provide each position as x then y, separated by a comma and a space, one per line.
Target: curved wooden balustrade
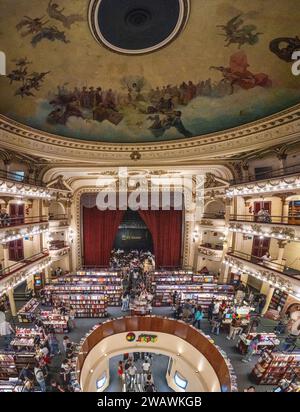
163, 325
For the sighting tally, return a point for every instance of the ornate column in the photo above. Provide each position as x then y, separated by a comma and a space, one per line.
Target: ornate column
268, 299
281, 245
5, 256
12, 303
245, 169
282, 156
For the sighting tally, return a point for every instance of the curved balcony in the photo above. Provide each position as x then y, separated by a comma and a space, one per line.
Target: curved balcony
23, 264
293, 219
172, 335
6, 223
268, 265
211, 252
272, 174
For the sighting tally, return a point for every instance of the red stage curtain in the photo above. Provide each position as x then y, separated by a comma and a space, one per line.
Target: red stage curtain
99, 232
166, 229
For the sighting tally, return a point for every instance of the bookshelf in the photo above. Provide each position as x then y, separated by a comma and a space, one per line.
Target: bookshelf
55, 321
267, 341
27, 313
8, 367
188, 286
278, 300
274, 366
85, 305
106, 283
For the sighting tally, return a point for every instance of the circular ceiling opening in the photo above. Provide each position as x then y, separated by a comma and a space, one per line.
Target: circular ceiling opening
137, 26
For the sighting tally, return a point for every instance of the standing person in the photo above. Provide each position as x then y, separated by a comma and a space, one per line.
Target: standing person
174, 297
132, 370
7, 331
146, 366
72, 314
65, 342
235, 328
216, 324
39, 376
55, 387
65, 372
251, 349
210, 310
69, 351
120, 369
53, 343
198, 316
124, 303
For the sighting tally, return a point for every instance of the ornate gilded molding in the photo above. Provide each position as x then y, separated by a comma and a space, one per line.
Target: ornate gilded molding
276, 129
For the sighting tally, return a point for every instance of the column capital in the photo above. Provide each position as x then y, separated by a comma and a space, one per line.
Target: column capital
282, 243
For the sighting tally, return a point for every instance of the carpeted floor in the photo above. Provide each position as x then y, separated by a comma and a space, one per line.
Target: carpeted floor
242, 370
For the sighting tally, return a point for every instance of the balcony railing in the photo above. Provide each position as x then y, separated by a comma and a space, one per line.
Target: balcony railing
220, 215
212, 247
61, 216
18, 178
22, 264
270, 265
57, 245
286, 171
8, 222
293, 219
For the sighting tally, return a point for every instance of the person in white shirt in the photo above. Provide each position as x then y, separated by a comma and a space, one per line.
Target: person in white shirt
132, 370
266, 257
146, 366
6, 330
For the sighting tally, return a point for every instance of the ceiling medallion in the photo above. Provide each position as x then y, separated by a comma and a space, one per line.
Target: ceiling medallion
136, 27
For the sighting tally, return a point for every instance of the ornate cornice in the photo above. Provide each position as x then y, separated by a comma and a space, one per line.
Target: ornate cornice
276, 129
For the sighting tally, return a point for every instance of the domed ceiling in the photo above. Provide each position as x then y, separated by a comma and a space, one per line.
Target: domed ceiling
137, 71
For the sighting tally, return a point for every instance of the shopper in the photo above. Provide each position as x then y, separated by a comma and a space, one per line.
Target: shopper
72, 315
210, 310
132, 370
120, 369
69, 351
39, 376
235, 328
216, 324
55, 387
26, 373
146, 366
7, 331
251, 349
65, 372
198, 316
53, 343
28, 386
65, 342
124, 303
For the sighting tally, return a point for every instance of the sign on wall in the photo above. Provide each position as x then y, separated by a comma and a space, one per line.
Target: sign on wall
142, 338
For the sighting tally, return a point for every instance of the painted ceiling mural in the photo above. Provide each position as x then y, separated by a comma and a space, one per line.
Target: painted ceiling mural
231, 65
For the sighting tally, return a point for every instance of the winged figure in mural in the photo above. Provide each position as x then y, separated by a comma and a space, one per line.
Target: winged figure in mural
237, 74
236, 32
49, 33
30, 25
284, 47
27, 82
56, 13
